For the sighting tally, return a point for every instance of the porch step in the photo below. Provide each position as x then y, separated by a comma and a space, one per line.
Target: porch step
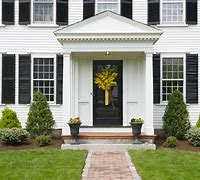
107, 138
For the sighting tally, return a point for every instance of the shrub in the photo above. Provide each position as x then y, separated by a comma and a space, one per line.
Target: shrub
171, 141
9, 119
14, 135
198, 122
43, 140
193, 136
175, 119
40, 120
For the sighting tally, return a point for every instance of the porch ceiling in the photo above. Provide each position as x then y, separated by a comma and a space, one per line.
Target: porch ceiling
107, 26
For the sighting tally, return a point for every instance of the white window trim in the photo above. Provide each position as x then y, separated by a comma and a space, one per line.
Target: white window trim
161, 75
55, 72
119, 6
175, 23
43, 24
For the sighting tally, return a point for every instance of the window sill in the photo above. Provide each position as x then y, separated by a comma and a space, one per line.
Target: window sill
172, 25
43, 26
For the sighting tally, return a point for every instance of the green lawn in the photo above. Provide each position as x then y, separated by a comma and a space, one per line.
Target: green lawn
166, 164
42, 164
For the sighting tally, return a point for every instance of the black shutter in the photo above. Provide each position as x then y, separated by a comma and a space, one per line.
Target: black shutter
8, 12
192, 78
153, 12
191, 11
8, 79
126, 8
24, 12
59, 90
88, 8
156, 78
24, 79
62, 12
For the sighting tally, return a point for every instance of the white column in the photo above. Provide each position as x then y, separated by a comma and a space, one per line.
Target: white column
148, 121
0, 77
66, 92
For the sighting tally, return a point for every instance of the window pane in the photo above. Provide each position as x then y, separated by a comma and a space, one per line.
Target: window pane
172, 76
43, 77
43, 12
172, 11
107, 5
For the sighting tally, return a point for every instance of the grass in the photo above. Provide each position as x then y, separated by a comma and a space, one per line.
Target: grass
42, 164
166, 164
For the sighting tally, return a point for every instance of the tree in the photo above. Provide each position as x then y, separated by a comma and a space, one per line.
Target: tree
40, 119
9, 119
175, 119
198, 122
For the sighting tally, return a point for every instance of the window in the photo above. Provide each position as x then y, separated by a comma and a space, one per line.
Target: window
172, 76
172, 11
43, 77
111, 5
43, 11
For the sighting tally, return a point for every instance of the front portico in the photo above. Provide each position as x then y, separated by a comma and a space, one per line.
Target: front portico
98, 41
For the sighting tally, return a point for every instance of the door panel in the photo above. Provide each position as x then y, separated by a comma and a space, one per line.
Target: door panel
107, 115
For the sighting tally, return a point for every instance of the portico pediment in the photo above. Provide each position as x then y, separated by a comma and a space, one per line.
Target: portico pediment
108, 25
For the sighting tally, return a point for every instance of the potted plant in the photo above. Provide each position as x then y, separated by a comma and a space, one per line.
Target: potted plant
74, 124
136, 124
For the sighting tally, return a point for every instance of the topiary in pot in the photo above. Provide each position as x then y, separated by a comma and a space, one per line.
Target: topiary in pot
175, 119
40, 119
9, 119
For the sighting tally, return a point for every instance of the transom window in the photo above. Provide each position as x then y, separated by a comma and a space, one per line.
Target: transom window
172, 76
110, 5
43, 77
172, 11
43, 11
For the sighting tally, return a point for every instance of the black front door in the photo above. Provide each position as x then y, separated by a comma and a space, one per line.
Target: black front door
111, 114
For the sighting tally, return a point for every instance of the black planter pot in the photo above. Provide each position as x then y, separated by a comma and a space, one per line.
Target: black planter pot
136, 130
74, 129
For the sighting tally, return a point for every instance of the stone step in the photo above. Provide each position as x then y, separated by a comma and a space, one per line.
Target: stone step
109, 147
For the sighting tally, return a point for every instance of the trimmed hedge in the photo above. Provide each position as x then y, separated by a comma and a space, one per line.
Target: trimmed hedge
171, 141
14, 135
43, 140
9, 119
176, 116
193, 136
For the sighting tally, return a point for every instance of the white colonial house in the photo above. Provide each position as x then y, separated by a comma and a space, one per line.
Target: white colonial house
58, 46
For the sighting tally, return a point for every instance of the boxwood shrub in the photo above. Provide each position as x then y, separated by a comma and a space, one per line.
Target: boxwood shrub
193, 136
14, 135
171, 141
43, 140
9, 119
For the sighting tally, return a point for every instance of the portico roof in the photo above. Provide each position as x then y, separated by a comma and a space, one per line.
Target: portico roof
108, 26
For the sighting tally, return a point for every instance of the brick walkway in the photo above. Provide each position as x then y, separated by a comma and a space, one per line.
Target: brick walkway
109, 166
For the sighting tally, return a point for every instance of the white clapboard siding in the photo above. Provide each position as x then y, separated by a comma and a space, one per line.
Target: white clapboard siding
75, 11
18, 39
22, 113
140, 10
28, 39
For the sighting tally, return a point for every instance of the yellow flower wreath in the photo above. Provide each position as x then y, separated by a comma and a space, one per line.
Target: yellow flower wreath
106, 79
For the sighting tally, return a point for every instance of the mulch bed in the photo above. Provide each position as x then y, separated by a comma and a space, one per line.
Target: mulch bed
31, 144
56, 142
183, 145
